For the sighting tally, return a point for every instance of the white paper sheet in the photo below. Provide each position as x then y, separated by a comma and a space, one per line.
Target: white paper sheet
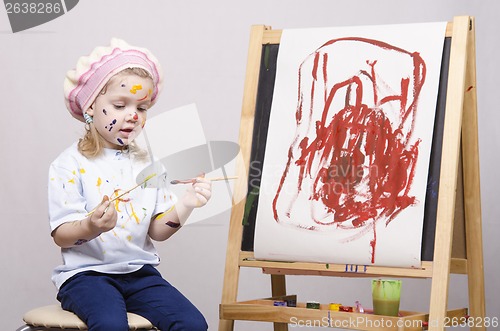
347, 155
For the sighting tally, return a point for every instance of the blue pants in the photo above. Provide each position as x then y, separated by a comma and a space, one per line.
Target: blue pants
102, 301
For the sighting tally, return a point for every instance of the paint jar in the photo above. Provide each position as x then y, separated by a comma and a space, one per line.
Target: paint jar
386, 295
334, 306
347, 309
291, 302
313, 305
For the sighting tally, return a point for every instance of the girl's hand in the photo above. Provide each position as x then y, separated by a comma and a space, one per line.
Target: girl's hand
169, 222
198, 194
104, 217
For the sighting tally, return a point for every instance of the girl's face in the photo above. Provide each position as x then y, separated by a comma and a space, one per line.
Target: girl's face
120, 113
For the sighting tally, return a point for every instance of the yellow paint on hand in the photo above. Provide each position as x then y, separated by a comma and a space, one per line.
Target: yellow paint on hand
135, 88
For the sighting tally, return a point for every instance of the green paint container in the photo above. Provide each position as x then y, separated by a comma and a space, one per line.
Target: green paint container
313, 305
386, 295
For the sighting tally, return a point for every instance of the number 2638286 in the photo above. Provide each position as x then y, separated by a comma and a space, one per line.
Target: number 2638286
33, 8
472, 322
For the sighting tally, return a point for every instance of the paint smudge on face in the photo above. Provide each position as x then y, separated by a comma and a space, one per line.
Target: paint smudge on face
135, 88
136, 117
104, 112
123, 85
143, 98
143, 123
111, 125
120, 141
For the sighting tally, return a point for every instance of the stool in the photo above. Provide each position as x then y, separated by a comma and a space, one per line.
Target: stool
53, 317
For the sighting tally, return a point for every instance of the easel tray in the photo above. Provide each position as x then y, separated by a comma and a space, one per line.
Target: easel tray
264, 310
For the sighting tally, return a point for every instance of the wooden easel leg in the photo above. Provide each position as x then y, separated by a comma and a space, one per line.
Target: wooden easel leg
226, 325
278, 285
278, 288
472, 192
449, 173
232, 269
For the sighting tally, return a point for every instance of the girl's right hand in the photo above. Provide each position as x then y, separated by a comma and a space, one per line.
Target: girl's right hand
104, 217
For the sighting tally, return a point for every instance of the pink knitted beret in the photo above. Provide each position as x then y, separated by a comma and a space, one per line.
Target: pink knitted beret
83, 84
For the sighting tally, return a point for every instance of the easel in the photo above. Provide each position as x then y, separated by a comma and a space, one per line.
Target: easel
459, 157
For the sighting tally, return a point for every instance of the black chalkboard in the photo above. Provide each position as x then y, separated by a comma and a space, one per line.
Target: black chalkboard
267, 76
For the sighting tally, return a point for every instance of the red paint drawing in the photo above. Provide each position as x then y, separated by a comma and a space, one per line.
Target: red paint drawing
354, 152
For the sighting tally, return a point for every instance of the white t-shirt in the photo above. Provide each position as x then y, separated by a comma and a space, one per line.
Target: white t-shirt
77, 185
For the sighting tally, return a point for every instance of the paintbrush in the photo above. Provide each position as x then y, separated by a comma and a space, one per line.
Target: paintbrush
192, 180
127, 191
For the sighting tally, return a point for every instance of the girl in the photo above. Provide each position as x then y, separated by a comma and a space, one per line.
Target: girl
109, 258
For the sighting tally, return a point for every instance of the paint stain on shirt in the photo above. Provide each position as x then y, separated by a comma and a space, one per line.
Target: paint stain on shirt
134, 215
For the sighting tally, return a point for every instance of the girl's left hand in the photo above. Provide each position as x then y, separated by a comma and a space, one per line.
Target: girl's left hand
198, 194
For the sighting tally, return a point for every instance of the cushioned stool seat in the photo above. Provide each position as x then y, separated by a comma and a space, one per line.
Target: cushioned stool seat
54, 316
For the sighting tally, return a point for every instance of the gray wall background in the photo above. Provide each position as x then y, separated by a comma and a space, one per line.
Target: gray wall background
202, 46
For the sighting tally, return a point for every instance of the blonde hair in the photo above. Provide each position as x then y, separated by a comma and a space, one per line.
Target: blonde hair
92, 143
